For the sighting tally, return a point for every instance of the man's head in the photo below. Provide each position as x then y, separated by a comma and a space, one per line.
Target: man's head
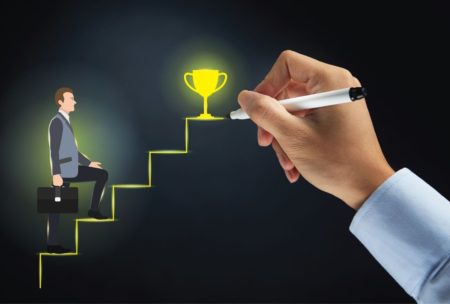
65, 100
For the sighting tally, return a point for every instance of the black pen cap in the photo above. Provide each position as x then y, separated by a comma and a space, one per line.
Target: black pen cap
357, 93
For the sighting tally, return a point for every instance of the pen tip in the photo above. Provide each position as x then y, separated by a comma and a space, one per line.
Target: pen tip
228, 116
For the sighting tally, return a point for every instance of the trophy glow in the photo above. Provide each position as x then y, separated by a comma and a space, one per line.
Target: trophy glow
205, 84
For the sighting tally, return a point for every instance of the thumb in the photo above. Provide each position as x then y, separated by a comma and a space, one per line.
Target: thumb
266, 112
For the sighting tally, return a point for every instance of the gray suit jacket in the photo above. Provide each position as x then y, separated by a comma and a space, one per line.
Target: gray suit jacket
64, 155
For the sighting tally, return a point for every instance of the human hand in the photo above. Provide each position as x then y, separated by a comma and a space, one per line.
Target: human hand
335, 148
96, 165
57, 180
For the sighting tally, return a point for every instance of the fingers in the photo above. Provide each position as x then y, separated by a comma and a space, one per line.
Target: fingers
95, 164
290, 66
264, 137
267, 113
303, 113
285, 162
273, 121
292, 175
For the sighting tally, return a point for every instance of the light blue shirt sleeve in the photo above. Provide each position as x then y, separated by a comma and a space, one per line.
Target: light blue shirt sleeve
405, 225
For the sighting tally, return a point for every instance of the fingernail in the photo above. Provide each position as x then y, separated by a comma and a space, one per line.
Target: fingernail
288, 176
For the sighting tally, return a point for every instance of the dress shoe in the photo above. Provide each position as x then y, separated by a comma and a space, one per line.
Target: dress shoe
57, 249
96, 214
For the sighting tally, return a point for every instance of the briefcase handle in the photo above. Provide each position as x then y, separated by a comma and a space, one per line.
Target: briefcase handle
57, 193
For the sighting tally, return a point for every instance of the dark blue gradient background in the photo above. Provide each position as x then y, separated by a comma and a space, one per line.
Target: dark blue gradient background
207, 232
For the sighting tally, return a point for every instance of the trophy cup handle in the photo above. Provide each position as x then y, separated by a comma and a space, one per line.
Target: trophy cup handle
187, 82
225, 77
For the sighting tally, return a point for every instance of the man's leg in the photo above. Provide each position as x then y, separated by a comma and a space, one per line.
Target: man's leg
52, 229
52, 233
88, 174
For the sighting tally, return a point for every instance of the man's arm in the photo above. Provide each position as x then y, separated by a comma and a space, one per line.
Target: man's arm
83, 160
55, 134
405, 224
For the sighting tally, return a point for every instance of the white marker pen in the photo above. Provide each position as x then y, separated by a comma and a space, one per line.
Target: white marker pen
313, 101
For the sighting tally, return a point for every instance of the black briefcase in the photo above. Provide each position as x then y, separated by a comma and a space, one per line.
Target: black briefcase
57, 200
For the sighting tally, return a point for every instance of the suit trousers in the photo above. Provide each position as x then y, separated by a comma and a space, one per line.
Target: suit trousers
85, 174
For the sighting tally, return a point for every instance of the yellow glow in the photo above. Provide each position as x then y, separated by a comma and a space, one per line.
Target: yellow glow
93, 220
205, 84
125, 186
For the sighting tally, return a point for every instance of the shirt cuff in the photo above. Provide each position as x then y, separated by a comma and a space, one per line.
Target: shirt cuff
405, 225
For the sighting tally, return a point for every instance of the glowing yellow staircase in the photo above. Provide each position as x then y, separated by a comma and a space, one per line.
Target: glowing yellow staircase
124, 186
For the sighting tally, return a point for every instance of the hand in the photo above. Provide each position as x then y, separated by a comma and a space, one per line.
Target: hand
57, 180
96, 165
335, 148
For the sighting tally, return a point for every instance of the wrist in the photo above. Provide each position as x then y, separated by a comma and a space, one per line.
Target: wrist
367, 184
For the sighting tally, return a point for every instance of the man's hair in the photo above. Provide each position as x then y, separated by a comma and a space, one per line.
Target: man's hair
59, 94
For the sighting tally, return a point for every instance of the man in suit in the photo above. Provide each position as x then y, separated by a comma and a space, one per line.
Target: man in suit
69, 165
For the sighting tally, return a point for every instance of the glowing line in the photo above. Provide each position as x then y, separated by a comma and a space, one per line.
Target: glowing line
125, 186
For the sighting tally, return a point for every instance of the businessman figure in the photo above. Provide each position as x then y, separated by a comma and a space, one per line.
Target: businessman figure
69, 165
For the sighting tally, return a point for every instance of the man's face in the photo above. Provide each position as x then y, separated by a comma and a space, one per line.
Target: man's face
68, 104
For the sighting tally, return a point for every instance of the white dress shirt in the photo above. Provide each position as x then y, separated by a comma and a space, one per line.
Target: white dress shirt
66, 116
405, 225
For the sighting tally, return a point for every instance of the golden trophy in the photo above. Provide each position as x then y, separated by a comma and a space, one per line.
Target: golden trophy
205, 84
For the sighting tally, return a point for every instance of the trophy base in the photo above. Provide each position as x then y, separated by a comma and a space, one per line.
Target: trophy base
205, 116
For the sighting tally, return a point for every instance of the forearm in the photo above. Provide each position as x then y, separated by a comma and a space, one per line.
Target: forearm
405, 224
56, 169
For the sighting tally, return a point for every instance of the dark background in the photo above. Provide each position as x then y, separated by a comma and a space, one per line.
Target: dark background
207, 231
